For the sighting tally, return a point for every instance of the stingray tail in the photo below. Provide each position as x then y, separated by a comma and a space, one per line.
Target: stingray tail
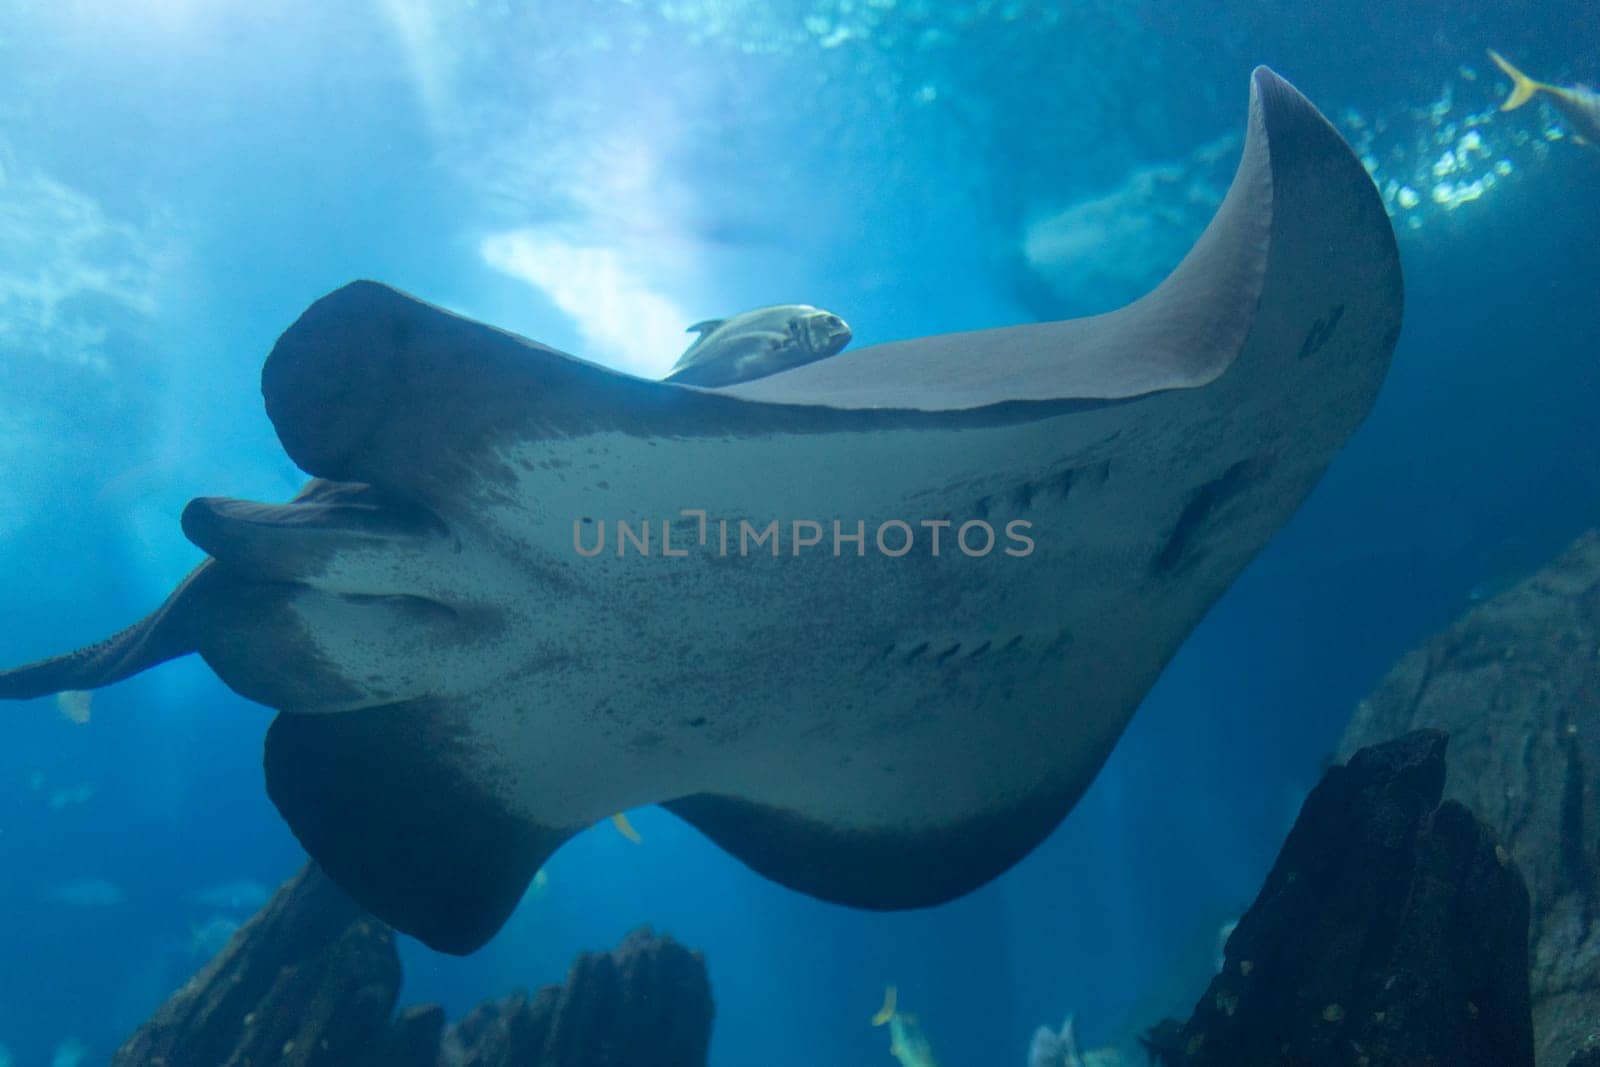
164, 634
1523, 88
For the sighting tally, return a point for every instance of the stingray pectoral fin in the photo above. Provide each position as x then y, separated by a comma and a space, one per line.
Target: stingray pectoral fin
371, 385
884, 870
379, 801
166, 633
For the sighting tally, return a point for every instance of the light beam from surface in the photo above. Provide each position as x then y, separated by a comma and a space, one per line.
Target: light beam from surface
626, 324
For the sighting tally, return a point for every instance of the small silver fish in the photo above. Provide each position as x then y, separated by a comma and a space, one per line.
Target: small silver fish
1578, 104
758, 343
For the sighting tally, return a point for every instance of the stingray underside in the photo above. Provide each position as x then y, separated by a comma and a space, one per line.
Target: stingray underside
465, 680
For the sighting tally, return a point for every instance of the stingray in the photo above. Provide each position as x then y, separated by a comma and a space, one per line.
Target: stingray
463, 680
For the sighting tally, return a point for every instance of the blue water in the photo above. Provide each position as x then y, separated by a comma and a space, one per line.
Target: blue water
179, 180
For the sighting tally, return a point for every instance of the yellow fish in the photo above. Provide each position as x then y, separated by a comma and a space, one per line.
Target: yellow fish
885, 1013
1578, 104
625, 828
906, 1040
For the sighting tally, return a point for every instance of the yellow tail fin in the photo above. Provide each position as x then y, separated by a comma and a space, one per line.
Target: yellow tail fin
1523, 87
886, 1012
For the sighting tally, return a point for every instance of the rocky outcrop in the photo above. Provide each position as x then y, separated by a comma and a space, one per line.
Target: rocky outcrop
1516, 684
1163, 1043
413, 1040
646, 1003
1392, 930
311, 981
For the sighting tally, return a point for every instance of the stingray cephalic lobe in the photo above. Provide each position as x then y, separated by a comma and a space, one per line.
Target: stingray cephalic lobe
524, 592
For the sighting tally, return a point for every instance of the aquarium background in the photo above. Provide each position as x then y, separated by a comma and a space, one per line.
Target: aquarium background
179, 179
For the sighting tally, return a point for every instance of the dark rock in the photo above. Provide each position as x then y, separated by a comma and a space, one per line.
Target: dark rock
1163, 1043
650, 995
646, 1003
309, 981
502, 1032
1589, 1057
1516, 684
413, 1041
1391, 932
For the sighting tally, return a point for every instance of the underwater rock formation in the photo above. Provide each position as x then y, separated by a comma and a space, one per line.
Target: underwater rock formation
312, 980
647, 1003
414, 1039
1163, 1043
1516, 683
1392, 930
309, 981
